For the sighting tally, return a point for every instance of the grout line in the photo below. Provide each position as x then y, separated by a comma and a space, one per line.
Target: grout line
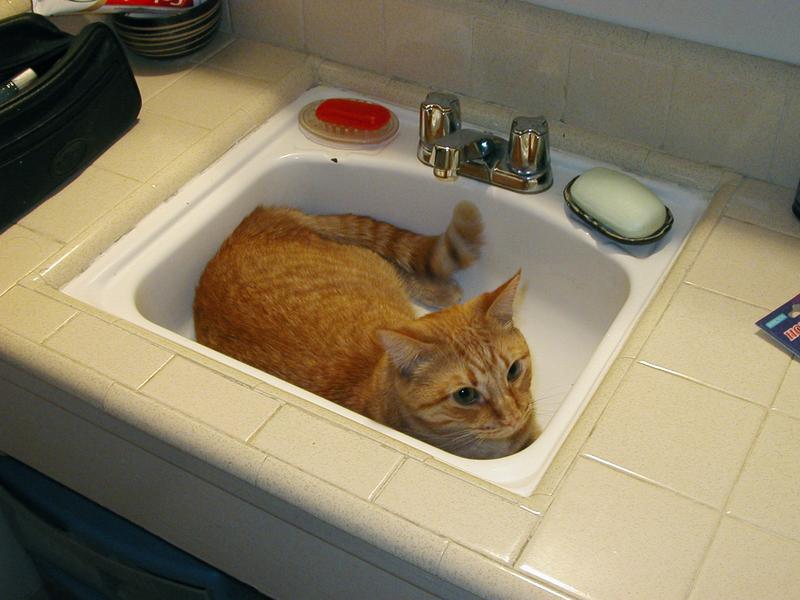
438, 568
767, 227
232, 70
184, 70
303, 34
23, 225
728, 296
663, 294
264, 83
764, 530
156, 372
531, 510
330, 419
258, 470
780, 385
143, 447
557, 485
562, 118
555, 585
670, 105
778, 411
471, 69
647, 336
325, 482
177, 411
327, 523
385, 481
725, 506
515, 556
50, 335
762, 226
706, 552
647, 480
248, 440
678, 264
97, 167
476, 482
702, 383
720, 513
173, 116
554, 498
55, 383
711, 219
610, 397
612, 394
384, 46
778, 129
211, 368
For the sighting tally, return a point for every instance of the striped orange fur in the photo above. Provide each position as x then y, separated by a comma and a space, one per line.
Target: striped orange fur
323, 302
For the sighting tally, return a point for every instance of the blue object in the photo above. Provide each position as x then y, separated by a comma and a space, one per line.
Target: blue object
85, 551
783, 325
773, 323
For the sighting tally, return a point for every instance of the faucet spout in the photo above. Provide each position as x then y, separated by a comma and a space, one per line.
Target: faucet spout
451, 152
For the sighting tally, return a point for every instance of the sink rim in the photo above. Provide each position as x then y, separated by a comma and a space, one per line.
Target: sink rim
553, 437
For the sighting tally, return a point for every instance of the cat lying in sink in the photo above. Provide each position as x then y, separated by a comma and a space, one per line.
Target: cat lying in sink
324, 302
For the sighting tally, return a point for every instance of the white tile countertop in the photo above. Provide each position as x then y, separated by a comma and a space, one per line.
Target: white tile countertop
680, 480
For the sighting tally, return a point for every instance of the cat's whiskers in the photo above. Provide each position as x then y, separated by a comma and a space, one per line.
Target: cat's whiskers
452, 440
481, 442
544, 409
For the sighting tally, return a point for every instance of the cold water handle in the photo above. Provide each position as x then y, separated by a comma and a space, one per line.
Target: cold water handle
529, 145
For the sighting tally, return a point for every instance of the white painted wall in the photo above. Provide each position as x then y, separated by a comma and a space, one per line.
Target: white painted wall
769, 28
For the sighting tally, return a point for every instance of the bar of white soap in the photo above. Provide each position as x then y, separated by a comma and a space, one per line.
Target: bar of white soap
619, 202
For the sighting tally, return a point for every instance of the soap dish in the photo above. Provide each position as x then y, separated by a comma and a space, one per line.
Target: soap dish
347, 122
596, 225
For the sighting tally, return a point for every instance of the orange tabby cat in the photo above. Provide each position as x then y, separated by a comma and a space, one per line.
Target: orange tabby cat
323, 302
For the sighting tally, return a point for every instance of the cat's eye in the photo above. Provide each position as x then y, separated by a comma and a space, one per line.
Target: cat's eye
466, 396
514, 371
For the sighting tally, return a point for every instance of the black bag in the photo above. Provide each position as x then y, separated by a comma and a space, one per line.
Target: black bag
85, 97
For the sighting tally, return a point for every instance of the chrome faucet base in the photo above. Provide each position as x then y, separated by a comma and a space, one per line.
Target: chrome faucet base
520, 164
494, 174
528, 184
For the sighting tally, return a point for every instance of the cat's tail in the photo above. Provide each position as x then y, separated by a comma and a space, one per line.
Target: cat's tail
429, 255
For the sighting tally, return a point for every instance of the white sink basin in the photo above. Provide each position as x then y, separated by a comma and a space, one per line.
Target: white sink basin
580, 295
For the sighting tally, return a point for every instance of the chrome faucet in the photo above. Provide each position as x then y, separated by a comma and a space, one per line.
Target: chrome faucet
521, 163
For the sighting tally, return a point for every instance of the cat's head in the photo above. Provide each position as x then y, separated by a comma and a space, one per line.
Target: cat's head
461, 377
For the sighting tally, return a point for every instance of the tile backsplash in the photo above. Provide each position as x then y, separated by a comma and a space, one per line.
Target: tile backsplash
690, 100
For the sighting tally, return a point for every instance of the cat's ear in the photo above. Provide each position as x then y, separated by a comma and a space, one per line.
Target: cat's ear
405, 352
499, 304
